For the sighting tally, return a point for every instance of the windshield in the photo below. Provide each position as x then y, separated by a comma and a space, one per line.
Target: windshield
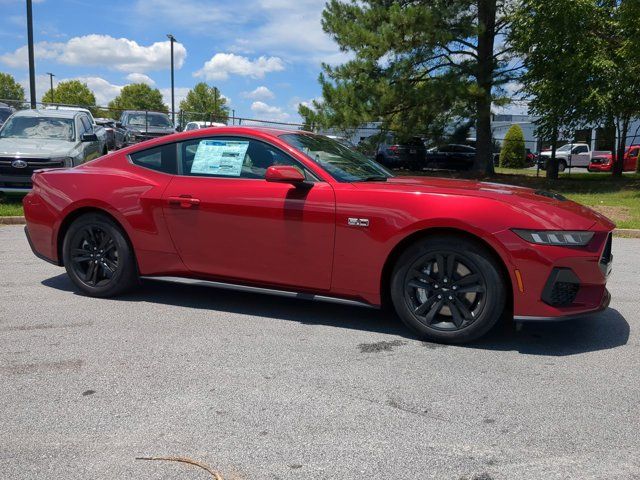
565, 148
342, 163
150, 119
39, 127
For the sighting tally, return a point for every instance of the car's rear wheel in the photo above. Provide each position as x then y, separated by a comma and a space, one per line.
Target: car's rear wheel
97, 256
448, 289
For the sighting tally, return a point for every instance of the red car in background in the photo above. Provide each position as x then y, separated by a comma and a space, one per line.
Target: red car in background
604, 163
302, 215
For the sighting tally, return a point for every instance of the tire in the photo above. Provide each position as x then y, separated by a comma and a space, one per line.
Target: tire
456, 304
96, 238
562, 165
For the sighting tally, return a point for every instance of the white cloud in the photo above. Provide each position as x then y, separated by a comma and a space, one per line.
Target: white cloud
260, 93
102, 50
141, 78
264, 111
222, 65
101, 88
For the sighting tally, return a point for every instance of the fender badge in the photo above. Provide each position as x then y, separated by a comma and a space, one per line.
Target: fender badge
358, 222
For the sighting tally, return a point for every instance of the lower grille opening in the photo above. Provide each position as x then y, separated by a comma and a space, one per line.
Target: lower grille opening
561, 288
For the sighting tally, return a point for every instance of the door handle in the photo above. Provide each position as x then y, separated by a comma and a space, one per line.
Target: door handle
184, 201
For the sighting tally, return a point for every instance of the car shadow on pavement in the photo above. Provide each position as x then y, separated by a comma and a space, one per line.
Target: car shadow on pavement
605, 330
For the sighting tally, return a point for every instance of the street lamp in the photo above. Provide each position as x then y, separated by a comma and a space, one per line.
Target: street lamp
32, 64
173, 105
51, 75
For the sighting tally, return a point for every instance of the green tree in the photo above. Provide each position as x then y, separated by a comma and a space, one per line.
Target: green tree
513, 153
71, 92
418, 65
204, 103
11, 92
560, 60
137, 96
312, 119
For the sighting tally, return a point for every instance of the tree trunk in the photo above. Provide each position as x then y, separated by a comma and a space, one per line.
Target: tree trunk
552, 165
484, 78
623, 130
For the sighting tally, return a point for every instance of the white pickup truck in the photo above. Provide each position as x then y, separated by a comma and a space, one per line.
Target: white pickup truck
572, 155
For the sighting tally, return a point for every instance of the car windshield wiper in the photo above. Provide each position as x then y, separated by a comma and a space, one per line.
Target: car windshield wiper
374, 178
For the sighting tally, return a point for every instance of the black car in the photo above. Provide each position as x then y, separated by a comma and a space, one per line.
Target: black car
396, 153
138, 126
109, 127
451, 157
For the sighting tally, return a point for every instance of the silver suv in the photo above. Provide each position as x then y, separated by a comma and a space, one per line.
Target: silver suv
34, 139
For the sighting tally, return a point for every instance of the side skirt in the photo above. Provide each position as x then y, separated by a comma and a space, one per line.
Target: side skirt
267, 291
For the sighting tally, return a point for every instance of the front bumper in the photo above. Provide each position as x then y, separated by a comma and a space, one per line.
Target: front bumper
559, 282
15, 183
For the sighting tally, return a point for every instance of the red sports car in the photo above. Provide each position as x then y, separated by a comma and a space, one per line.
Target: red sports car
300, 214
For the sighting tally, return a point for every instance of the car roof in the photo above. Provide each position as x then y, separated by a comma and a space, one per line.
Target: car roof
47, 113
143, 111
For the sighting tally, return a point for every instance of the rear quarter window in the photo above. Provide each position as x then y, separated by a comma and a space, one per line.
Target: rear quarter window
160, 159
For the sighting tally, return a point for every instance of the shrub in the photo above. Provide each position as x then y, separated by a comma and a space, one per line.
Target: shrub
513, 154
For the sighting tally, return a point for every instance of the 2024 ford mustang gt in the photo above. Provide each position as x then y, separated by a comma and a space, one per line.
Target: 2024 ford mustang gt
300, 214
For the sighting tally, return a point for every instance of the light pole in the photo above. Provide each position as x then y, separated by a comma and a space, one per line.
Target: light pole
173, 105
51, 75
32, 64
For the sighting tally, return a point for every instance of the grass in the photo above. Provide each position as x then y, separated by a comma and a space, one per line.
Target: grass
11, 206
618, 199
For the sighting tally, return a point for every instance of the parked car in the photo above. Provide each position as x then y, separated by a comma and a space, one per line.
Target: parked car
100, 132
605, 163
34, 139
198, 125
451, 156
5, 112
138, 126
300, 215
110, 128
393, 153
571, 155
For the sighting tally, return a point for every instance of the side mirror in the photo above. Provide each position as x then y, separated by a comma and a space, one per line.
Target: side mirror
284, 174
89, 137
118, 124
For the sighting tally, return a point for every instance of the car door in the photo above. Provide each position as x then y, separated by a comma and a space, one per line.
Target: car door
580, 156
227, 221
90, 150
631, 159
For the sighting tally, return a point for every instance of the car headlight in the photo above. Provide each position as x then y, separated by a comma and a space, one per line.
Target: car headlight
66, 161
564, 238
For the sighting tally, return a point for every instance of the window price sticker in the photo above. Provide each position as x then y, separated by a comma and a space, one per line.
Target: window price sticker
220, 157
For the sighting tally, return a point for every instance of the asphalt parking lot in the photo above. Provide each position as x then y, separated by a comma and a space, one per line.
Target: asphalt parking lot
260, 387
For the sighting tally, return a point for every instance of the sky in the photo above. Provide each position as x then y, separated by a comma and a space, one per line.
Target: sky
263, 55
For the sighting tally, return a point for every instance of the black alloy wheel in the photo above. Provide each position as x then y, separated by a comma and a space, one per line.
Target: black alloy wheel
98, 257
445, 290
448, 288
94, 256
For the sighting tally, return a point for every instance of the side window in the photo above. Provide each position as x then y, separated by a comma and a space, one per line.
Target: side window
581, 149
161, 159
230, 157
633, 153
86, 125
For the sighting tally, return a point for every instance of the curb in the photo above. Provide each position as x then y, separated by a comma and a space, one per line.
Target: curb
12, 221
618, 232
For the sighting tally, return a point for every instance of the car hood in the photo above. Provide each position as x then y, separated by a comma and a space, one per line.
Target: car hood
549, 208
26, 147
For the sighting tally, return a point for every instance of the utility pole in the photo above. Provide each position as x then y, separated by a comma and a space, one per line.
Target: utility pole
32, 63
172, 39
51, 75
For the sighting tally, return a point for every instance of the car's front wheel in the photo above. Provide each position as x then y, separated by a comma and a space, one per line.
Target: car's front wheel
97, 256
448, 289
